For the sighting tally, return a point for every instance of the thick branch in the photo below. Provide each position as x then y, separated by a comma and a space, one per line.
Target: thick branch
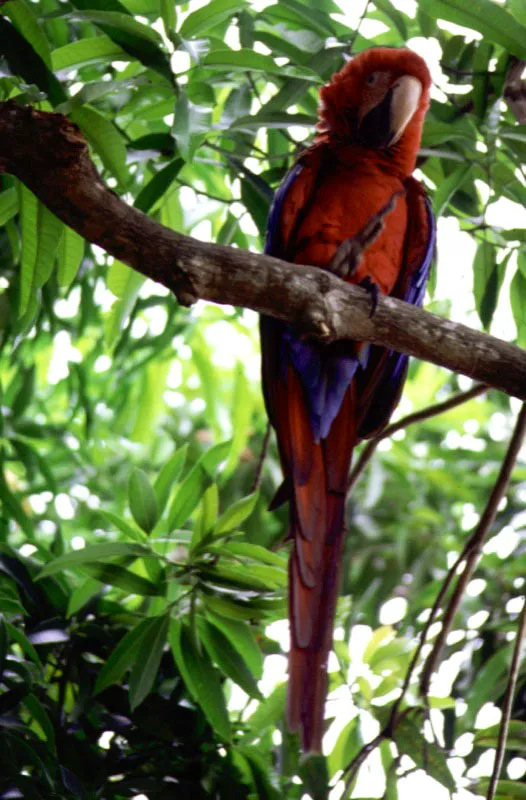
50, 156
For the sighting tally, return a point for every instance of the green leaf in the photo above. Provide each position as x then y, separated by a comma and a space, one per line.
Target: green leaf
396, 17
93, 553
242, 409
426, 755
148, 659
4, 641
487, 281
345, 748
16, 635
236, 514
24, 395
273, 119
122, 22
518, 9
226, 60
140, 41
518, 305
124, 579
168, 15
485, 16
242, 638
82, 594
25, 21
191, 126
126, 283
516, 739
142, 500
123, 657
253, 577
488, 684
256, 552
156, 188
50, 231
313, 772
41, 717
12, 504
168, 477
87, 51
481, 76
267, 714
200, 677
29, 235
8, 205
448, 187
209, 16
323, 63
195, 484
506, 790
207, 516
105, 139
227, 658
379, 636
130, 531
69, 256
24, 61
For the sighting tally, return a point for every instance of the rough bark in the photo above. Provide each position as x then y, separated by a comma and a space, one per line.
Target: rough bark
50, 156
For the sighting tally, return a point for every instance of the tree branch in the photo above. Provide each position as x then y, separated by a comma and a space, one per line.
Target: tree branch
470, 554
508, 704
49, 155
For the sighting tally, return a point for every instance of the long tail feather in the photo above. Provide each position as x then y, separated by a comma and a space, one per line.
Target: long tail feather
317, 524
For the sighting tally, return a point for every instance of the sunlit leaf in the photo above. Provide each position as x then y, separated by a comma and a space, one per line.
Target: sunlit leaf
209, 16
490, 19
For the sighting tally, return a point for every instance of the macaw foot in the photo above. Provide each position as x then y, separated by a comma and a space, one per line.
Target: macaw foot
349, 254
373, 290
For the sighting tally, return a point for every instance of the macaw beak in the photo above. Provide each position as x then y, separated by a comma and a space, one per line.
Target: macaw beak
385, 123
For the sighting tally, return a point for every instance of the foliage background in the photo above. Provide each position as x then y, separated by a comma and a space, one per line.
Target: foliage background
142, 588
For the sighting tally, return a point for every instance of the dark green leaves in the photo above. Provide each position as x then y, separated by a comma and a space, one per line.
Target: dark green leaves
200, 677
490, 19
143, 503
148, 658
24, 61
141, 648
488, 276
518, 301
410, 741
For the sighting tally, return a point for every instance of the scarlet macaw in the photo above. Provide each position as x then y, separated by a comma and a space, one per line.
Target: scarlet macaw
323, 398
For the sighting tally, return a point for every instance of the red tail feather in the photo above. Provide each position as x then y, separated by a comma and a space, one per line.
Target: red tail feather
317, 531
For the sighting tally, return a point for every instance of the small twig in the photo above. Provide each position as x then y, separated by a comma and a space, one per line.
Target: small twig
352, 769
357, 28
473, 549
508, 703
226, 201
411, 419
473, 546
261, 461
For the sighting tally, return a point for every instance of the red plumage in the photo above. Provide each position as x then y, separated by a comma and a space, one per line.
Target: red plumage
322, 399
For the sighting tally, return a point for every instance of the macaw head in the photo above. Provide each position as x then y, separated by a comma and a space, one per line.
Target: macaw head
378, 100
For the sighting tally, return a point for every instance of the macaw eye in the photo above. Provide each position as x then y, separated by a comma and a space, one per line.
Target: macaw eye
371, 79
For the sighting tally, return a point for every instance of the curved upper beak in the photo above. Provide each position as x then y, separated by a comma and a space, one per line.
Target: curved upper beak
406, 97
384, 124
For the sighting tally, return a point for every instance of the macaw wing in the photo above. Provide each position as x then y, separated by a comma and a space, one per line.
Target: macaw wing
387, 369
325, 371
